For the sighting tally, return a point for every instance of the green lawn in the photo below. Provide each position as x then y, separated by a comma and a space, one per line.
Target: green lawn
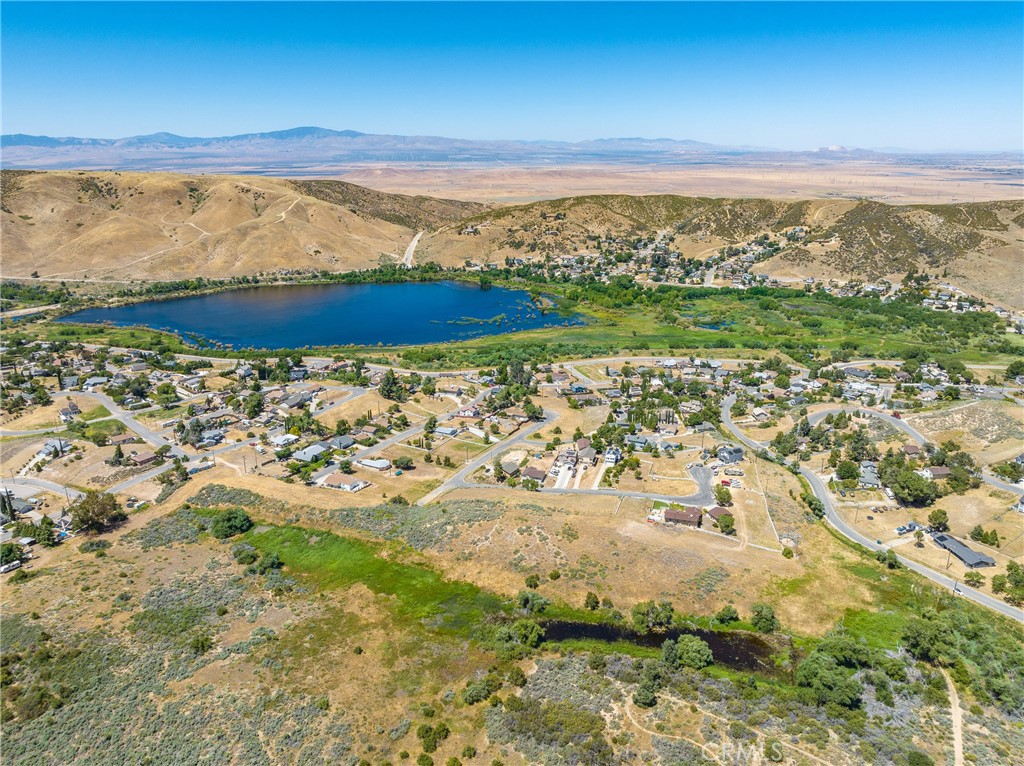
95, 413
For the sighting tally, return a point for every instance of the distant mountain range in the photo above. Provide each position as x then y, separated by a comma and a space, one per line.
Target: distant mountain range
316, 150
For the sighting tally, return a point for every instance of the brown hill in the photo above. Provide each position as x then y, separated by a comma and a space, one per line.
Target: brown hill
114, 226
981, 244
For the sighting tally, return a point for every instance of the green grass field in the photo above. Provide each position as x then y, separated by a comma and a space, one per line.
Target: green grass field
420, 594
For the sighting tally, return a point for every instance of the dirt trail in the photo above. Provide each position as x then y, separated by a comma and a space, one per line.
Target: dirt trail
958, 722
627, 706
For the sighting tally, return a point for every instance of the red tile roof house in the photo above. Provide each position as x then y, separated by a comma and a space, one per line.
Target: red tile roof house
688, 516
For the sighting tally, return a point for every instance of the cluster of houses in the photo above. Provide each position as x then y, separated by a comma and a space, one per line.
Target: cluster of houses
14, 509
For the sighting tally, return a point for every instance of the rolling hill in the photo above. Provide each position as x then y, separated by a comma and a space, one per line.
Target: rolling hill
77, 225
121, 226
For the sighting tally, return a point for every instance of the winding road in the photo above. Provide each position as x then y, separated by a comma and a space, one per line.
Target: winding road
832, 516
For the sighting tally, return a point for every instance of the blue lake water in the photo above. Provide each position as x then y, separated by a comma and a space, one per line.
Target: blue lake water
295, 316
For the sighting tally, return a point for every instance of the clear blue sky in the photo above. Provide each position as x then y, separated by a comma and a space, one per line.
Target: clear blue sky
917, 75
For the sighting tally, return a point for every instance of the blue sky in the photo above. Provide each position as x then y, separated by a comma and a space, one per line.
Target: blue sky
919, 75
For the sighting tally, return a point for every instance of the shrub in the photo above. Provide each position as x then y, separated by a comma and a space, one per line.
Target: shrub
231, 522
92, 546
763, 618
244, 553
727, 614
267, 563
532, 601
478, 691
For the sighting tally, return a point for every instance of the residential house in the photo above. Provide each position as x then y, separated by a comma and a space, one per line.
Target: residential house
375, 464
934, 472
344, 482
55, 447
310, 454
142, 458
730, 453
688, 516
69, 413
510, 468
970, 557
536, 474
718, 512
868, 478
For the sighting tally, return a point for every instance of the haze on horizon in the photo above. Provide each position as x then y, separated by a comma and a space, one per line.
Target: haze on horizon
919, 76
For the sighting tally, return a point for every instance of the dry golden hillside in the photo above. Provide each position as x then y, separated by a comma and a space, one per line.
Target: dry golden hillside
82, 225
121, 225
980, 246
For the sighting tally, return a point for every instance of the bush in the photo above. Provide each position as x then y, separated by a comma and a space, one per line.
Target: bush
92, 546
267, 563
478, 691
244, 554
532, 601
231, 522
763, 618
727, 614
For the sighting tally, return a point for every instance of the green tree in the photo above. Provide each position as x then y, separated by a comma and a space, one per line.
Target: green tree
727, 614
722, 495
648, 615
938, 519
532, 601
46, 532
96, 512
591, 601
827, 681
847, 469
686, 652
391, 388
231, 522
763, 618
9, 553
727, 524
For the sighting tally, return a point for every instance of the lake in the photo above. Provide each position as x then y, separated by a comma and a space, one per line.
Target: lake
294, 316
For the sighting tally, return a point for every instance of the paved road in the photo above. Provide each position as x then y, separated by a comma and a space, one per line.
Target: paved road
50, 486
914, 434
832, 517
458, 480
